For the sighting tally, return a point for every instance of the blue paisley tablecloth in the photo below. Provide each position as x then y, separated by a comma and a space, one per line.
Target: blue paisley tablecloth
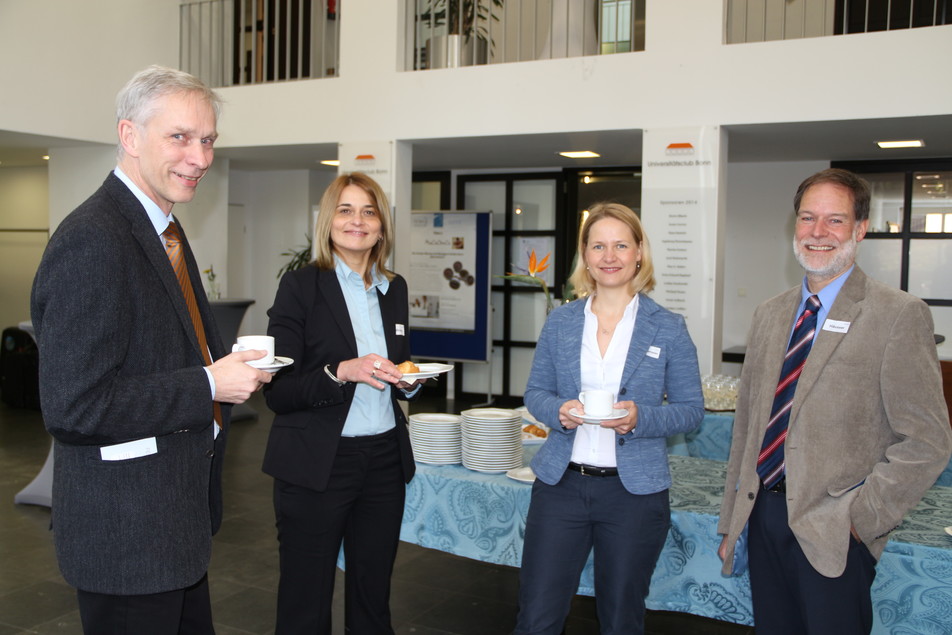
482, 516
712, 440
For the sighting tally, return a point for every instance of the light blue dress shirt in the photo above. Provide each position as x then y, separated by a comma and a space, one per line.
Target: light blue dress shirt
161, 222
371, 411
827, 296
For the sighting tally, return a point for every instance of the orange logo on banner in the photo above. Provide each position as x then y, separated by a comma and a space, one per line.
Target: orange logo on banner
679, 148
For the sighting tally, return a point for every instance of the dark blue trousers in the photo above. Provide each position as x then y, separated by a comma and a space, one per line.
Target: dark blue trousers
789, 596
565, 522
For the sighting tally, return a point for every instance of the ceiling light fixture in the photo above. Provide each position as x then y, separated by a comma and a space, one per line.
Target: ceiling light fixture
580, 154
46, 157
333, 162
909, 143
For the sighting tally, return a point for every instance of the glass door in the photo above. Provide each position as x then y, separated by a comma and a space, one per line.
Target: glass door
527, 223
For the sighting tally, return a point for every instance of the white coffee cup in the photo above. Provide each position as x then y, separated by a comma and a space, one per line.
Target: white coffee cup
598, 403
256, 343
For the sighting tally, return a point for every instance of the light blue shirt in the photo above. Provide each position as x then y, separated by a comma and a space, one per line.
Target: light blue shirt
371, 411
161, 222
827, 296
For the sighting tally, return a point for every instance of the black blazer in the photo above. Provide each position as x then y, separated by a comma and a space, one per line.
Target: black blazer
119, 360
310, 324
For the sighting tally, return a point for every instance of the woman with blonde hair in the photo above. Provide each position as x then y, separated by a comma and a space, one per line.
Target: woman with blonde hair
602, 481
339, 448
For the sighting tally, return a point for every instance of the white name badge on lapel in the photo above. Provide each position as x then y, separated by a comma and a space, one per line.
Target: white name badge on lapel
400, 330
654, 351
836, 326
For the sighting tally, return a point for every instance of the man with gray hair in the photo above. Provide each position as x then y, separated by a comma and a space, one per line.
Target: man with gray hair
840, 428
135, 384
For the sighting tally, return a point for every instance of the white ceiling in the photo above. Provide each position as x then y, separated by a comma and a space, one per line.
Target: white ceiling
823, 141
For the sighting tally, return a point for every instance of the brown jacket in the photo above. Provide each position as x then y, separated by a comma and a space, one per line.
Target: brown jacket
869, 429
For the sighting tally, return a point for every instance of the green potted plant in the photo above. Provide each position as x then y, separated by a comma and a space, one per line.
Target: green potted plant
466, 41
299, 257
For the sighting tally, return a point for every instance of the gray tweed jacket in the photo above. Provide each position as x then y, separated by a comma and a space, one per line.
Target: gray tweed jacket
119, 361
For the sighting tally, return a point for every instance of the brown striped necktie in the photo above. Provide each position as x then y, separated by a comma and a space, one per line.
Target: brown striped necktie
176, 254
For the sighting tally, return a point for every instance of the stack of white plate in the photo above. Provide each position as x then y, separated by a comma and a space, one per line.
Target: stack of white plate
436, 438
492, 439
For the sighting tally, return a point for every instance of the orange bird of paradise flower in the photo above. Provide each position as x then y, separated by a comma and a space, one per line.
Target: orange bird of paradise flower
535, 267
539, 267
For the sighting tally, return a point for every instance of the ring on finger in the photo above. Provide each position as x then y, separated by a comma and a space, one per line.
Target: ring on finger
377, 364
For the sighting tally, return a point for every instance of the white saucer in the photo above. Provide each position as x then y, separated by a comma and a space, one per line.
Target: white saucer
521, 474
279, 363
948, 530
427, 371
617, 413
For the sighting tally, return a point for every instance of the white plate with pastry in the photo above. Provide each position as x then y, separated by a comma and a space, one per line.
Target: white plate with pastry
424, 371
534, 434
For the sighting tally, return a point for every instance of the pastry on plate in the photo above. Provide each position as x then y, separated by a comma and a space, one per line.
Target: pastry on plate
408, 367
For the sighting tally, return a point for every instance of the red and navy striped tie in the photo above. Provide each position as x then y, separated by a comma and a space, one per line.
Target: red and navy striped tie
770, 463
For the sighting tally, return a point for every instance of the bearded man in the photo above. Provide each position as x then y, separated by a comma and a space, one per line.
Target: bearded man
840, 428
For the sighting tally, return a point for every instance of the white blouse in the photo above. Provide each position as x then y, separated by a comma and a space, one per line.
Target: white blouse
595, 445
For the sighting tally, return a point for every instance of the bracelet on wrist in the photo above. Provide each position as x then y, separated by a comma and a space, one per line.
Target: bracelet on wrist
327, 369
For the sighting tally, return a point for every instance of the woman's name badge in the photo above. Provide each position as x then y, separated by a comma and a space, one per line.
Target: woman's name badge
836, 326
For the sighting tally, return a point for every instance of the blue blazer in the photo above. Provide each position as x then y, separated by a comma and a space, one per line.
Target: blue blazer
661, 376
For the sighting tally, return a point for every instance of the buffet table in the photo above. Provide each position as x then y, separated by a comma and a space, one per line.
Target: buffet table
712, 440
482, 516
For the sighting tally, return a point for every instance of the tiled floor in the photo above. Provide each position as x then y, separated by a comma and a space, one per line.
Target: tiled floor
433, 593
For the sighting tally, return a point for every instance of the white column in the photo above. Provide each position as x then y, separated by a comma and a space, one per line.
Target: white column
682, 209
390, 163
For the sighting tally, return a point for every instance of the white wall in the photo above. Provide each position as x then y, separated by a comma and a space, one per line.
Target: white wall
686, 76
65, 61
269, 213
24, 204
758, 253
205, 220
75, 173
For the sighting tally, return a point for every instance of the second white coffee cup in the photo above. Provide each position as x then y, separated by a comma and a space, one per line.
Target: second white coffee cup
598, 403
256, 343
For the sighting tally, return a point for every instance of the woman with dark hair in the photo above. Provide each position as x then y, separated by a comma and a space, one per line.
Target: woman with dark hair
339, 448
602, 481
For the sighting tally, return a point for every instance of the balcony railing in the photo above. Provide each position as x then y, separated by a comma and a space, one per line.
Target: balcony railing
231, 42
450, 33
766, 20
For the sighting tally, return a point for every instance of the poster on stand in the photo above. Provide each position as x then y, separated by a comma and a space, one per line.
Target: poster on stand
443, 271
